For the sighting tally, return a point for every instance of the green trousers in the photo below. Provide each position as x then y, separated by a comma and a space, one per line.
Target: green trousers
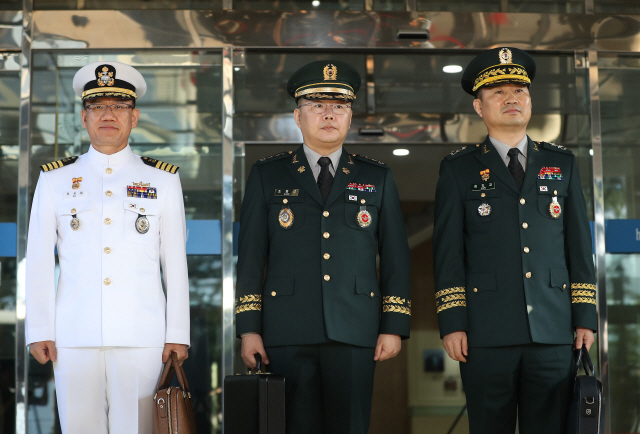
531, 383
328, 387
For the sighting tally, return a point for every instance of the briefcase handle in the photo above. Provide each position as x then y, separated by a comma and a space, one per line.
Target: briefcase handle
583, 354
167, 374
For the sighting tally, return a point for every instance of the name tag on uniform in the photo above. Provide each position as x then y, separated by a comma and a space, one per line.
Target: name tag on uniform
286, 192
483, 186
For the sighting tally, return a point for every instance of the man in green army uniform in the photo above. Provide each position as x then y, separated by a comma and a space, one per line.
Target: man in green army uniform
513, 264
308, 298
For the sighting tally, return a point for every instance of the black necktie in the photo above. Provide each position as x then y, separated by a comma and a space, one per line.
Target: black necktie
515, 167
325, 178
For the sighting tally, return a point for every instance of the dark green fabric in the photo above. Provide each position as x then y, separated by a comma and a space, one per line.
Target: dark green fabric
305, 308
329, 387
487, 253
531, 382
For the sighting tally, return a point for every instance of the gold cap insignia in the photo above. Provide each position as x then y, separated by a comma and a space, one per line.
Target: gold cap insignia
105, 78
505, 56
330, 72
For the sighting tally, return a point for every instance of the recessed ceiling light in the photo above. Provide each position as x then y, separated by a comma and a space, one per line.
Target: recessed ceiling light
452, 69
315, 3
400, 152
237, 68
590, 151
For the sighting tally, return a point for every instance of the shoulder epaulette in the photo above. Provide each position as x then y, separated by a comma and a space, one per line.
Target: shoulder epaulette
461, 151
58, 164
274, 157
554, 147
160, 165
369, 160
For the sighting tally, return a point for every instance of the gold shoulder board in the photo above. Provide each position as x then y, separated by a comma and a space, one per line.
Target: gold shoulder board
160, 165
58, 164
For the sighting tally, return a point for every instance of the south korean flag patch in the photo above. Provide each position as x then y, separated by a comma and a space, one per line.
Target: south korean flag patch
544, 188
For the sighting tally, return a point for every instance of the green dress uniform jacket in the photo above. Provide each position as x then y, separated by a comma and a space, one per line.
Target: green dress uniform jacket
517, 275
316, 280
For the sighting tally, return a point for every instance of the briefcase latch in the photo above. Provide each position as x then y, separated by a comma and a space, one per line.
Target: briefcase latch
589, 407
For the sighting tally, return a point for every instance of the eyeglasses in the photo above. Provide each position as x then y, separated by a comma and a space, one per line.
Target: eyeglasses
320, 108
117, 109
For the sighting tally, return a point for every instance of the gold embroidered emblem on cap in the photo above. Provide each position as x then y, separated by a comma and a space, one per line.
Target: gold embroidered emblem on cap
105, 78
330, 72
505, 56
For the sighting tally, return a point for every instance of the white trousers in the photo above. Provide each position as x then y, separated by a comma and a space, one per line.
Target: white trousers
104, 390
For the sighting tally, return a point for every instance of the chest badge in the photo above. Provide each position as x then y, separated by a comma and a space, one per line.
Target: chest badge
285, 216
551, 173
364, 217
142, 224
75, 222
485, 175
554, 208
484, 209
142, 190
75, 183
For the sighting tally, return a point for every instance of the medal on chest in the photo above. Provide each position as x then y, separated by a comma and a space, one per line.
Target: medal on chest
75, 223
484, 209
142, 224
285, 216
554, 208
364, 217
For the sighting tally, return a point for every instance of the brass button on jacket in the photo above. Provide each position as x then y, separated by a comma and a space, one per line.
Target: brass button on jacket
326, 235
528, 275
273, 293
327, 277
109, 193
326, 213
107, 281
326, 256
525, 225
522, 201
526, 250
107, 250
107, 221
109, 170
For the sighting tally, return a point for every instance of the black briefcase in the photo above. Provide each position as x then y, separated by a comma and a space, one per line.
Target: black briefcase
586, 412
254, 403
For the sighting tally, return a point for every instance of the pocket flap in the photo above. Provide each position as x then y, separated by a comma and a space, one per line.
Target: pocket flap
290, 198
553, 188
478, 194
275, 287
140, 207
481, 282
559, 278
71, 207
367, 286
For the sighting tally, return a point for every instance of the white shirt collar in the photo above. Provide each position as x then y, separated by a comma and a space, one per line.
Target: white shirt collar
117, 159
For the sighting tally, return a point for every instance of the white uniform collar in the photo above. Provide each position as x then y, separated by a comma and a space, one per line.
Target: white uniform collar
117, 159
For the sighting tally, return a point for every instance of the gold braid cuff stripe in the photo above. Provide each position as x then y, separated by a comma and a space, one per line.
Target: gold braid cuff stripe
393, 299
251, 297
581, 293
248, 307
583, 286
583, 300
449, 291
450, 305
397, 309
449, 298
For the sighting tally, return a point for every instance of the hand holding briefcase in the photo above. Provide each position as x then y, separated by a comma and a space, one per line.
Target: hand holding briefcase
172, 408
254, 403
586, 413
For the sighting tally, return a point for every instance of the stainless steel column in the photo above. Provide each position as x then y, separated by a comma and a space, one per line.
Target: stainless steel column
22, 355
228, 269
600, 247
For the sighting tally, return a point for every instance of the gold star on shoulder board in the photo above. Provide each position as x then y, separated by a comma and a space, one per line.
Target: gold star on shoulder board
345, 170
301, 169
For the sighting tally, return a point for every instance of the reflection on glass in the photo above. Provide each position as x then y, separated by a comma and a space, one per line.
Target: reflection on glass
617, 7
124, 4
542, 6
7, 344
304, 5
618, 79
9, 126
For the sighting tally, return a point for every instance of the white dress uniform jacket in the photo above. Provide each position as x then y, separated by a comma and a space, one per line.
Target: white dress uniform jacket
110, 289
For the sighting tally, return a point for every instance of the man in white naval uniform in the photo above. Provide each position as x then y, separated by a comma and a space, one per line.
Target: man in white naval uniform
116, 219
